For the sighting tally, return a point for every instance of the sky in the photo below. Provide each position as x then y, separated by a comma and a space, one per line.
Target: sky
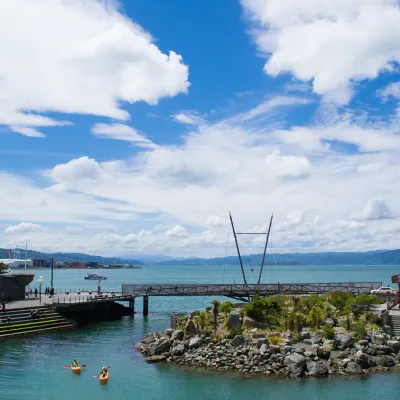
133, 127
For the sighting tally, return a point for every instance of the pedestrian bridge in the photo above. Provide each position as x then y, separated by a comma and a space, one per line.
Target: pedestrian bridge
244, 291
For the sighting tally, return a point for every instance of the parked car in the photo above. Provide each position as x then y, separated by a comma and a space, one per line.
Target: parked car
384, 290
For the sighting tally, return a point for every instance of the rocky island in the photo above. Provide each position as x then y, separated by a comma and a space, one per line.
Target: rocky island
277, 335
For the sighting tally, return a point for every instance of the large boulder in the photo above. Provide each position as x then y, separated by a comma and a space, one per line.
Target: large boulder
382, 350
343, 339
328, 344
305, 334
394, 345
330, 321
155, 359
234, 321
385, 361
167, 332
195, 342
296, 364
239, 340
190, 328
249, 323
162, 346
378, 339
178, 350
365, 361
317, 368
262, 341
353, 367
317, 338
177, 334
264, 348
323, 353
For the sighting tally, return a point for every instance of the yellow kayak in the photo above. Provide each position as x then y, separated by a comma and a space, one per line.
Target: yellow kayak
76, 370
103, 379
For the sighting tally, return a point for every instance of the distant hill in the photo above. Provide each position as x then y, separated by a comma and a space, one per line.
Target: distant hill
74, 257
379, 257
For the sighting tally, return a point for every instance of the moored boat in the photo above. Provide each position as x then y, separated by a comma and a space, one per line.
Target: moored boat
94, 277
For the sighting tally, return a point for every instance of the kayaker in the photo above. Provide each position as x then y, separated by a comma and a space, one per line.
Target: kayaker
74, 364
104, 372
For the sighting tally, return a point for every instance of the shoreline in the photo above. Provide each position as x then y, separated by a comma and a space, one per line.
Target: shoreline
252, 360
288, 337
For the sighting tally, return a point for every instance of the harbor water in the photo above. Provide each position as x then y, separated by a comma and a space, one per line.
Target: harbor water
32, 367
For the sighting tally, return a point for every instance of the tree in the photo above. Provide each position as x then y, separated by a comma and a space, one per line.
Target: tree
311, 301
296, 320
339, 299
216, 304
226, 307
202, 320
3, 268
315, 317
255, 309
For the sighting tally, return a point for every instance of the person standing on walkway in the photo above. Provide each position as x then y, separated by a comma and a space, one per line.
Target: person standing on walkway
36, 292
3, 306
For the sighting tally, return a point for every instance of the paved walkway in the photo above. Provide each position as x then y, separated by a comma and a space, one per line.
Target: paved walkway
33, 301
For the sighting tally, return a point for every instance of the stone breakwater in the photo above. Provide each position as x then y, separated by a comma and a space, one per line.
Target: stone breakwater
257, 356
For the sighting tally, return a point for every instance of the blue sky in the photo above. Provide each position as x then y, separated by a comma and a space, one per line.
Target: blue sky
111, 144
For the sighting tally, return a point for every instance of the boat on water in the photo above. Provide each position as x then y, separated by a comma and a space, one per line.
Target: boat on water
94, 277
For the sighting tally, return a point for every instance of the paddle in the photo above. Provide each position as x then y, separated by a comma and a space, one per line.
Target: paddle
68, 366
96, 376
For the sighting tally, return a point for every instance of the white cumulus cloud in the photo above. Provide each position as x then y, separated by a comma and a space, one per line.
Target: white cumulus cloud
23, 227
78, 56
176, 231
120, 132
331, 43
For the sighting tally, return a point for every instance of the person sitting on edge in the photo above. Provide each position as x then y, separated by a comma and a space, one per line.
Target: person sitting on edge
74, 364
104, 372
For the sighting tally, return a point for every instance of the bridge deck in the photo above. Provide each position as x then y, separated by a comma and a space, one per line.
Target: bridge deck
241, 290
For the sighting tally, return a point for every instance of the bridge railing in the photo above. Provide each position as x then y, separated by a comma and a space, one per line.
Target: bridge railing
246, 289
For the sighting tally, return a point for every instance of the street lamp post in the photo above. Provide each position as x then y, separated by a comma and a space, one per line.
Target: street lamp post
40, 281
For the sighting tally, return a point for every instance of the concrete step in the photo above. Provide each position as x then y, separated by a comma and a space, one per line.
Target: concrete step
66, 325
27, 317
29, 320
25, 310
32, 326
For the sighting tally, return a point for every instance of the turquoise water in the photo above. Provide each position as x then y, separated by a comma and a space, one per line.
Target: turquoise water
32, 367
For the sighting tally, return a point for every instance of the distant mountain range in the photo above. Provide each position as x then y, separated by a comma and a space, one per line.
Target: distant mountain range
73, 257
379, 257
